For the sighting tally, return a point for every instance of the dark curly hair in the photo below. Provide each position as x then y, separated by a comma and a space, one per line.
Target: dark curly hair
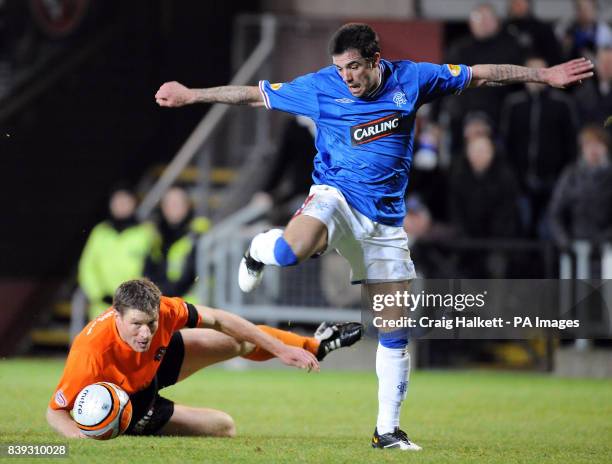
357, 36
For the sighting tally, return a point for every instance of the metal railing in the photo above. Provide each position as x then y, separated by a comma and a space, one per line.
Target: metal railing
577, 264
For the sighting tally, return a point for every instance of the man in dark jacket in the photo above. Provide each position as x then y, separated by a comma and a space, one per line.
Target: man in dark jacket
534, 36
594, 98
483, 204
581, 206
539, 128
488, 43
483, 194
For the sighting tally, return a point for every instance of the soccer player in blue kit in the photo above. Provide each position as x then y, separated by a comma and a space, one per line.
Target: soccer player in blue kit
364, 109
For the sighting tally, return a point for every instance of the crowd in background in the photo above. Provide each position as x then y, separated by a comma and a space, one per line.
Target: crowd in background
509, 146
526, 162
122, 248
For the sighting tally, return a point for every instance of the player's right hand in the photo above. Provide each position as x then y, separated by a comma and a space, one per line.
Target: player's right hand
297, 357
173, 94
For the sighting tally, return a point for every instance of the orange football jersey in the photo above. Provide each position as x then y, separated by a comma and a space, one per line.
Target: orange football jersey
98, 354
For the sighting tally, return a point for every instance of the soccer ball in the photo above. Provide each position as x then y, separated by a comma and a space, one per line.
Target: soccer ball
102, 411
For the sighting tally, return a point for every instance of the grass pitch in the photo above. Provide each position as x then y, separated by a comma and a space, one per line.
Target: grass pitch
289, 416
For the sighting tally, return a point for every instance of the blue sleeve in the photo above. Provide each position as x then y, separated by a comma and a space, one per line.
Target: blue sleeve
298, 96
438, 80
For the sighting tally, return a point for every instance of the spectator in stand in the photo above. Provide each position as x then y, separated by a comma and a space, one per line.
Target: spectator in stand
483, 194
586, 32
581, 206
539, 128
488, 43
289, 179
424, 236
418, 221
536, 37
115, 251
594, 97
483, 204
476, 124
428, 178
171, 264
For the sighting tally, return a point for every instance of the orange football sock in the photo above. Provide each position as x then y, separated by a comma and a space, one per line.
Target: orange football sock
288, 338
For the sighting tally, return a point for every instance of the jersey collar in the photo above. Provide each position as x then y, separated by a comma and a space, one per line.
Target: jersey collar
381, 84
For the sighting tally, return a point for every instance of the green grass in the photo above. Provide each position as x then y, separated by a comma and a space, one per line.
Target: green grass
290, 416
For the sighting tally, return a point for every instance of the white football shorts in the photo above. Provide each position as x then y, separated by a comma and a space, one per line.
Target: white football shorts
376, 252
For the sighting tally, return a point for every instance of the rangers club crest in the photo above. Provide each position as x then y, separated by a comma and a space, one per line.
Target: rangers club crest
399, 99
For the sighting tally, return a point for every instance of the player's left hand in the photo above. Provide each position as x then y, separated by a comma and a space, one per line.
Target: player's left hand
568, 73
297, 357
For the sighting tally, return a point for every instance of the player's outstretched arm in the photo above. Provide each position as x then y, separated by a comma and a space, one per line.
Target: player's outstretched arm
560, 76
243, 330
63, 424
174, 94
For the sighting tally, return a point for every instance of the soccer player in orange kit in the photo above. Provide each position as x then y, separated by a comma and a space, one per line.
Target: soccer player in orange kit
146, 342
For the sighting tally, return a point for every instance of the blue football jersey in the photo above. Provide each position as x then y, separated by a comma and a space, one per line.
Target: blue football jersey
364, 145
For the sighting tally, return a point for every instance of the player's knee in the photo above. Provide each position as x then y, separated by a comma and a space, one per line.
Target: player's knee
217, 424
303, 248
394, 339
226, 426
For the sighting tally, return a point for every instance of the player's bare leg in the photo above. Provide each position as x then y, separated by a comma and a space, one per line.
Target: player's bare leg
392, 368
205, 422
306, 235
303, 237
204, 347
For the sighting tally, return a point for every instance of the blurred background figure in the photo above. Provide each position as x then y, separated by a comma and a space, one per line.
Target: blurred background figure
483, 201
289, 177
483, 193
586, 32
594, 97
581, 205
115, 251
539, 127
424, 233
428, 175
535, 37
418, 224
488, 43
418, 221
171, 263
477, 124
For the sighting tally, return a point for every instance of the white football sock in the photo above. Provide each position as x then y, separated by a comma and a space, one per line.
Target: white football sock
262, 246
393, 370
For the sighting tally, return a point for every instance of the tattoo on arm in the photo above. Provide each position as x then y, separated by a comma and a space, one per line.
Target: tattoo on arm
231, 94
493, 75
